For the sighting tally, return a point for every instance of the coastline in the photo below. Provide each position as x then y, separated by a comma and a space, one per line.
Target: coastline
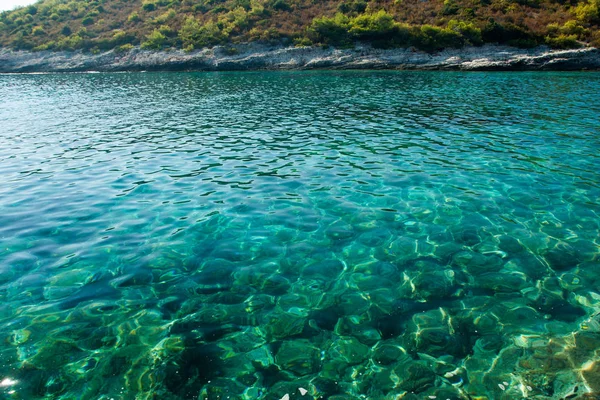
255, 56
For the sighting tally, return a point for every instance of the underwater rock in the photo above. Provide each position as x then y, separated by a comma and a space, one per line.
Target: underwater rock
368, 335
556, 307
377, 268
241, 342
445, 251
586, 345
475, 263
435, 284
591, 374
214, 276
359, 327
530, 265
19, 336
415, 378
298, 356
375, 382
502, 281
274, 284
383, 302
562, 258
222, 388
448, 214
400, 250
279, 325
298, 303
356, 252
7, 273
467, 236
55, 354
348, 350
60, 292
511, 245
74, 277
571, 282
375, 237
353, 302
231, 250
139, 277
292, 390
340, 230
389, 353
489, 345
325, 269
432, 332
520, 317
367, 282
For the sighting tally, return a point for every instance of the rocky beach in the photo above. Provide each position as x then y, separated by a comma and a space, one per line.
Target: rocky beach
262, 57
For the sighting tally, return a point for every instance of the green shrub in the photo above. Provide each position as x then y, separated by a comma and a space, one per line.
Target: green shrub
38, 31
280, 5
382, 31
508, 34
432, 38
372, 26
72, 42
45, 46
595, 40
235, 20
134, 17
66, 30
87, 21
573, 28
63, 9
148, 6
120, 38
450, 7
245, 4
270, 35
155, 41
552, 29
161, 19
355, 6
588, 11
257, 8
470, 32
302, 42
83, 32
124, 48
20, 42
468, 13
332, 31
194, 35
563, 41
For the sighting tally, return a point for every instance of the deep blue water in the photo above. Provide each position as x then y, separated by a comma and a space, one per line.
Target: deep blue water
356, 235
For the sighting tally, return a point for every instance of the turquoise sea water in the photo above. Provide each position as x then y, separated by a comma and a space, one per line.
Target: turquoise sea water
342, 235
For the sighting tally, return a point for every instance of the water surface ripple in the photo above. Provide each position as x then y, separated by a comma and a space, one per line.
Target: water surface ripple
342, 235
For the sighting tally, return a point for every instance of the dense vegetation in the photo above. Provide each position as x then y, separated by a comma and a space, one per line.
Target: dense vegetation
99, 25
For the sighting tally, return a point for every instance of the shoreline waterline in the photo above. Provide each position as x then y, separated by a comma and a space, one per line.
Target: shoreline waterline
259, 57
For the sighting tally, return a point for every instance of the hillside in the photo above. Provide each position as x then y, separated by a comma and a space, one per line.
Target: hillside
192, 24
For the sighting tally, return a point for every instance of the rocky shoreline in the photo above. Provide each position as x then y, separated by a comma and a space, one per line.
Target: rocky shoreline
261, 57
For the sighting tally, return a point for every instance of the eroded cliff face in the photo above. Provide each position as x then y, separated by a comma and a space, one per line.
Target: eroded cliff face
256, 57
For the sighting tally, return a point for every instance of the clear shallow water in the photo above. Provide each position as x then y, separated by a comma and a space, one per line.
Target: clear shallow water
353, 234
